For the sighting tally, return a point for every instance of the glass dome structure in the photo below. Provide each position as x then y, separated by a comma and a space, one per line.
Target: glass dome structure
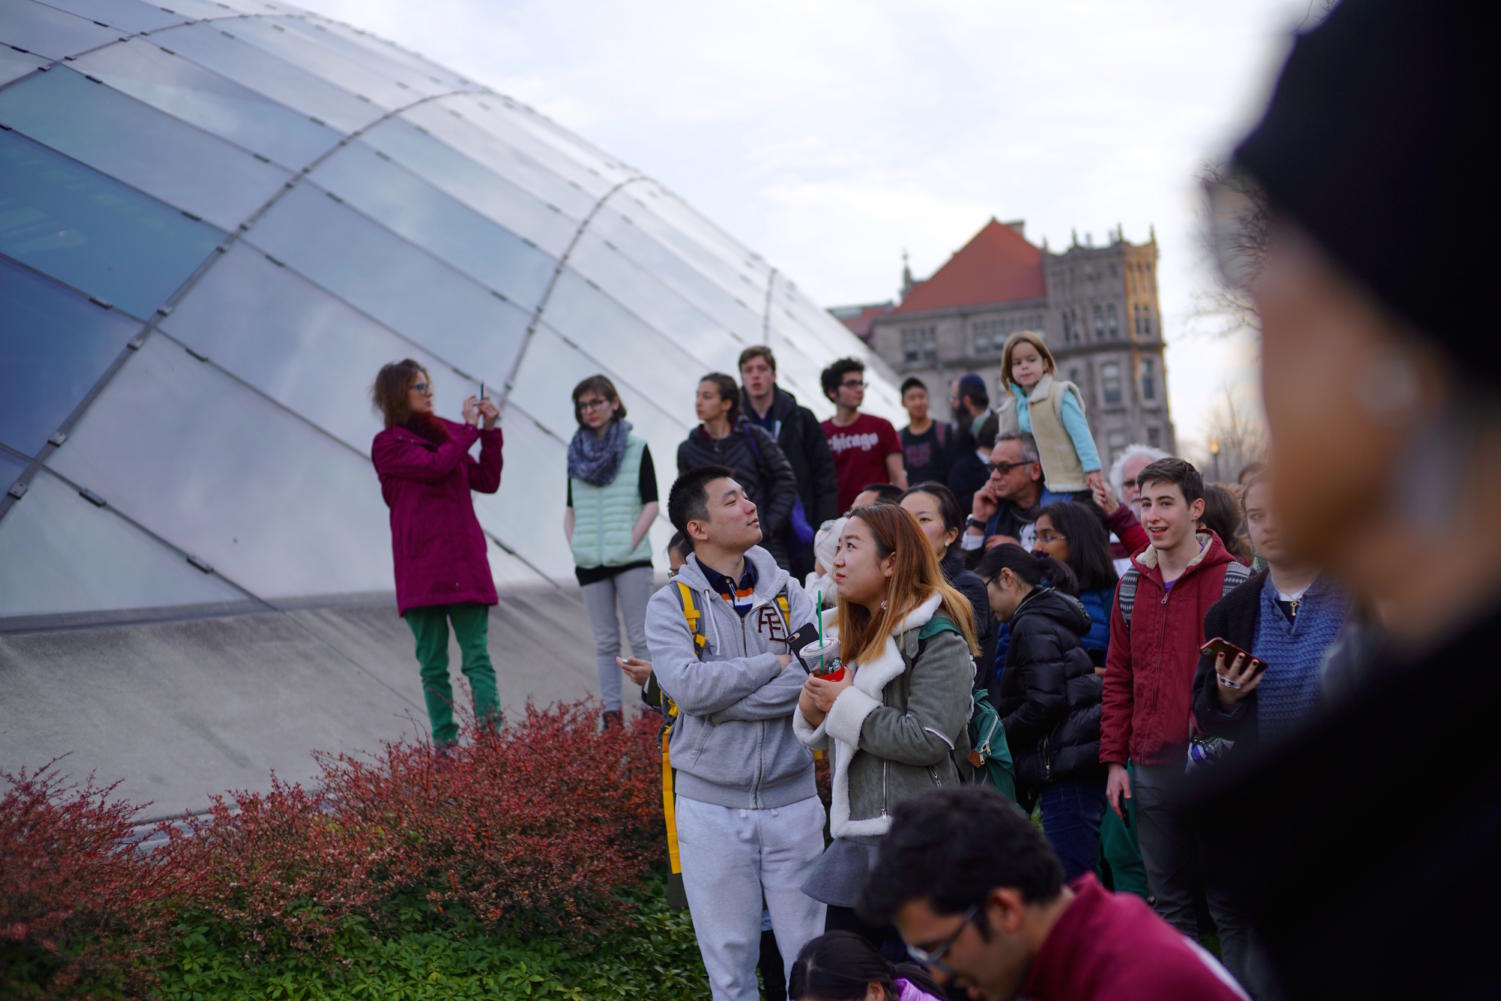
218, 221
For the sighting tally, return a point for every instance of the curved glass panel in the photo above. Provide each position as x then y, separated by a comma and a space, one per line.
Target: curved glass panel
265, 73
59, 553
404, 203
92, 232
302, 347
185, 90
14, 65
47, 31
474, 184
56, 344
275, 506
406, 72
362, 78
527, 512
403, 287
143, 147
11, 469
127, 15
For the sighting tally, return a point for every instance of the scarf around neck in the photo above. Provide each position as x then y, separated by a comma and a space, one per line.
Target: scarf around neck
595, 458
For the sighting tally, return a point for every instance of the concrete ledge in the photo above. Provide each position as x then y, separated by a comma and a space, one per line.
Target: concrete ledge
179, 710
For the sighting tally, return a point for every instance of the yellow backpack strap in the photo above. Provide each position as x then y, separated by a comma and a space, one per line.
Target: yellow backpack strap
786, 611
694, 618
674, 860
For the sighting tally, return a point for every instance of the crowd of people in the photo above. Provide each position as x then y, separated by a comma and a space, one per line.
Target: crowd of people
1211, 696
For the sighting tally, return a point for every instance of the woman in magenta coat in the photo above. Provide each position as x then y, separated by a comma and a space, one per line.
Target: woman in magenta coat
442, 573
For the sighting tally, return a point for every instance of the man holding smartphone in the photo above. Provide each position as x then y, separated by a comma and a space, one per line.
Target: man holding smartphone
723, 638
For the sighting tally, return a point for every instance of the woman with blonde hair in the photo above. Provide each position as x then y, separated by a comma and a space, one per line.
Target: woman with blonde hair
893, 714
1052, 411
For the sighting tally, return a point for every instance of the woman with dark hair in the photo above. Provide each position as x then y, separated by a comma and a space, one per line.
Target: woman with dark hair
938, 515
842, 966
612, 501
725, 438
894, 716
442, 572
1050, 700
1222, 517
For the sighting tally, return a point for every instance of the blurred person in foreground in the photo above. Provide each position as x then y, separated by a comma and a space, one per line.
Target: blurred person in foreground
1368, 840
980, 899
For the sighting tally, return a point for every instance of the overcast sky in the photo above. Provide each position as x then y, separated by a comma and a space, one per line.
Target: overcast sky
829, 136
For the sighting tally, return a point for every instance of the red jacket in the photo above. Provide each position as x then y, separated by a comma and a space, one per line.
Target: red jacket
1111, 945
436, 541
1149, 667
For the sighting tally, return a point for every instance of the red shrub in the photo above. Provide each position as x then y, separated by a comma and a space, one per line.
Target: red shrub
79, 906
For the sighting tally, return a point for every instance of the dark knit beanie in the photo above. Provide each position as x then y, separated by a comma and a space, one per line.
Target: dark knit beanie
970, 383
1372, 143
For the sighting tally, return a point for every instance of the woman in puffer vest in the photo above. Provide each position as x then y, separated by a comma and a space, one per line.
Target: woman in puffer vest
894, 718
1050, 700
612, 501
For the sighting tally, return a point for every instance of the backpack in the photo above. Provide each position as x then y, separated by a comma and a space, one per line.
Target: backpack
653, 694
1235, 576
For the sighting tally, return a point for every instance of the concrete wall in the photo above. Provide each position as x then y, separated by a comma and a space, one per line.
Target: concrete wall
179, 710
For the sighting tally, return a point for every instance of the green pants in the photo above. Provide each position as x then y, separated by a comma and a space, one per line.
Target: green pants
471, 624
1120, 854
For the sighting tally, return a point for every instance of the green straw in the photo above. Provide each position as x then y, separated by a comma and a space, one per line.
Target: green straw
820, 630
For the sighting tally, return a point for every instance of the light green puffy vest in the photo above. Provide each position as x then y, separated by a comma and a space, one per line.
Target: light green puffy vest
603, 517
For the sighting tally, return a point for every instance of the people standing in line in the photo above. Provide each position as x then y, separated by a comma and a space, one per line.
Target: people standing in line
897, 717
725, 438
971, 466
981, 901
612, 502
1383, 403
1052, 411
1156, 629
925, 442
1005, 509
1127, 467
1072, 533
842, 966
1286, 617
749, 820
1050, 700
800, 437
442, 571
866, 448
938, 515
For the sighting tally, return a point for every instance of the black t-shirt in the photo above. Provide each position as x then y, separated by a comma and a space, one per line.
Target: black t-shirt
647, 488
926, 455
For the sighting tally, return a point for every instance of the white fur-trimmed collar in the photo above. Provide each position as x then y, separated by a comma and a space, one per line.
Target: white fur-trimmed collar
1042, 389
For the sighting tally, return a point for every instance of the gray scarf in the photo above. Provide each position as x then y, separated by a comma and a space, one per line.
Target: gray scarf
595, 458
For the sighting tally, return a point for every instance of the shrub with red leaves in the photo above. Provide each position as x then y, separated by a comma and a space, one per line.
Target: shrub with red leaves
81, 911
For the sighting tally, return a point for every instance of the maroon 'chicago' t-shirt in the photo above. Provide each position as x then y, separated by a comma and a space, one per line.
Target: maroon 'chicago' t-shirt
860, 452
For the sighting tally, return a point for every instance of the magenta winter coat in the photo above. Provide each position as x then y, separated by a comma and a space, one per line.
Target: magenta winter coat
436, 541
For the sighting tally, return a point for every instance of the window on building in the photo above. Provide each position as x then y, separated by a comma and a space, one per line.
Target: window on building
1099, 323
1117, 442
1148, 380
1115, 327
1076, 377
920, 345
1146, 321
1154, 437
1110, 383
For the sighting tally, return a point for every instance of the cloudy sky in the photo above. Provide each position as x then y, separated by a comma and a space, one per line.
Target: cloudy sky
830, 136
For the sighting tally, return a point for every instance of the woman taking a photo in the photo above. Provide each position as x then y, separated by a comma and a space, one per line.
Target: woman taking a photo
725, 438
442, 572
896, 715
1050, 700
612, 500
938, 515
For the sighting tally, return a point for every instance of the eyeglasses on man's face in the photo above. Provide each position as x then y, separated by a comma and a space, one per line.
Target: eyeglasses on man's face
933, 958
853, 384
1002, 468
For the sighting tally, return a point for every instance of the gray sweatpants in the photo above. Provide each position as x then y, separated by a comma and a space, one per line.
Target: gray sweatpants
631, 589
731, 860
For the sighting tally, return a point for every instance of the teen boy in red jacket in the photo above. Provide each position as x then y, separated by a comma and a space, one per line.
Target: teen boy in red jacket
1156, 629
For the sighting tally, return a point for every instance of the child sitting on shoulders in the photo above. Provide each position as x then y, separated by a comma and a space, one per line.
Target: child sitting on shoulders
1052, 410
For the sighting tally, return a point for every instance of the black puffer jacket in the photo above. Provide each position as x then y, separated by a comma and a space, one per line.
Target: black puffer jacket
969, 584
1050, 695
800, 437
760, 468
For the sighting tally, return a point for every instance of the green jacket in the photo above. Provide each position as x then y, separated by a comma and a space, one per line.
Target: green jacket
604, 517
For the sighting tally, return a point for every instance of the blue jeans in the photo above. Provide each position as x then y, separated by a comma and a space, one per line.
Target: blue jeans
1071, 813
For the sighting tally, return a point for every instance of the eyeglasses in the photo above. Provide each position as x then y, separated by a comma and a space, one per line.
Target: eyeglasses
1045, 536
853, 384
420, 387
934, 957
1005, 467
592, 404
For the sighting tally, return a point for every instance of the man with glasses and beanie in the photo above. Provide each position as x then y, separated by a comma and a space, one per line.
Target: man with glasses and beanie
980, 899
866, 448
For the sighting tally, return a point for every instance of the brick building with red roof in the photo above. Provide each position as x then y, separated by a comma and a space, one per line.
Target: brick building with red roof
1096, 307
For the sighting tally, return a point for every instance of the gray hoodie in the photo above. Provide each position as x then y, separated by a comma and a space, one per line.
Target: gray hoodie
732, 744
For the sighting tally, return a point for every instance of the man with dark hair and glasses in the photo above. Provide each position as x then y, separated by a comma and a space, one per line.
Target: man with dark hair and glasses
979, 898
866, 448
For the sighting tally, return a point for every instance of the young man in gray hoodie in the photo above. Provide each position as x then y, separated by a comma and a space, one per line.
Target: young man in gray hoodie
749, 821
